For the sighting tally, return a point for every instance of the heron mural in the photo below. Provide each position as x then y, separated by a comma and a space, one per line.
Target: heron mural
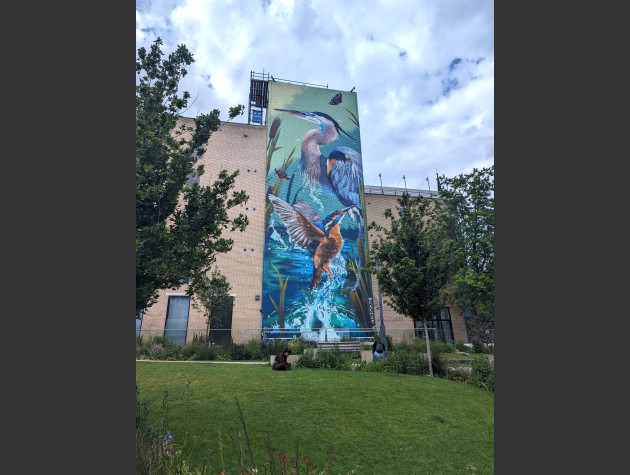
314, 280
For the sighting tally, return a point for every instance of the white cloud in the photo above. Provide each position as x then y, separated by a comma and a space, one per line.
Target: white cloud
416, 113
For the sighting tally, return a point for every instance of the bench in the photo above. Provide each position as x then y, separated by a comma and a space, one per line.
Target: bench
349, 346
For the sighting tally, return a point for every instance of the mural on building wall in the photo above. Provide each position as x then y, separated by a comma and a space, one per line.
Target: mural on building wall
314, 280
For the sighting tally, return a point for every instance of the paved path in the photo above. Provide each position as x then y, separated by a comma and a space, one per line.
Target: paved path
204, 361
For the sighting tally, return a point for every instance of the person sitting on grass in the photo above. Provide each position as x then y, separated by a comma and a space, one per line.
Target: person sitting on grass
280, 362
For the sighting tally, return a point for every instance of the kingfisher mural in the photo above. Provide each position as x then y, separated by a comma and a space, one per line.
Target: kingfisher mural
314, 279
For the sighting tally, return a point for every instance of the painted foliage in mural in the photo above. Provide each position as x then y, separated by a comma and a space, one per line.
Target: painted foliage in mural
315, 246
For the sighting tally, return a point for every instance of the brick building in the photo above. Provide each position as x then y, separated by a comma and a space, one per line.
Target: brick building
243, 147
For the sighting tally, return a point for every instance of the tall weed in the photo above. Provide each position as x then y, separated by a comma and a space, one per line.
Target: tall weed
482, 374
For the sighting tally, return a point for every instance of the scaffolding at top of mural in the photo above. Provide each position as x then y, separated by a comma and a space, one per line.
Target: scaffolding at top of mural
259, 95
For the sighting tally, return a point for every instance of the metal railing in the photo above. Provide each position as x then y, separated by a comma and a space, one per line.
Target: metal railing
243, 335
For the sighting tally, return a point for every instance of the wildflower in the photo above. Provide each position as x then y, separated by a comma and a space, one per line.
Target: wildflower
168, 436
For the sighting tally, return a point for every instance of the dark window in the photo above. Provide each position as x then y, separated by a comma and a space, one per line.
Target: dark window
177, 319
439, 327
222, 329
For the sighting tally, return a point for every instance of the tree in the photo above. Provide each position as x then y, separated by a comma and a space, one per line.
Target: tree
179, 224
212, 298
470, 210
413, 259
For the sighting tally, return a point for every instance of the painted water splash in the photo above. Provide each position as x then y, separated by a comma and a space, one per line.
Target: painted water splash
276, 236
314, 198
322, 309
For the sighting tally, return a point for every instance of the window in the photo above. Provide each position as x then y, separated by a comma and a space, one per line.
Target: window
177, 319
438, 327
139, 324
222, 329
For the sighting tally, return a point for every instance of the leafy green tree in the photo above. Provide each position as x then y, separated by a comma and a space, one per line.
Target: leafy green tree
212, 297
413, 259
469, 202
179, 224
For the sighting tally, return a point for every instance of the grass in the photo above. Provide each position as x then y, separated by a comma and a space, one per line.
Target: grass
376, 422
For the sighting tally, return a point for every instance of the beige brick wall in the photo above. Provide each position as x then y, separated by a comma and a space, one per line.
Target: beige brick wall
234, 147
230, 149
398, 325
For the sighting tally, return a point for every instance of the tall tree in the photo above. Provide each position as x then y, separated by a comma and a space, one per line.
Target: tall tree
469, 202
212, 297
179, 224
413, 259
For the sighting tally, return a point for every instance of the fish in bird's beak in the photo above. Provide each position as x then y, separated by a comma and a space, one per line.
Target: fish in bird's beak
345, 210
304, 115
291, 112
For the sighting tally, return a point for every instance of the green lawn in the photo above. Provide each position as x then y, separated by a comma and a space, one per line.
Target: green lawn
378, 423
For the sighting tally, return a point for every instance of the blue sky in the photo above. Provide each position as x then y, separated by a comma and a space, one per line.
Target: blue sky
423, 70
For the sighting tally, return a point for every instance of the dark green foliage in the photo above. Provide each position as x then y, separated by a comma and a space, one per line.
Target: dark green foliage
209, 353
330, 359
178, 227
460, 346
439, 347
212, 297
478, 346
405, 361
413, 258
469, 202
172, 353
252, 351
390, 343
272, 347
482, 374
457, 374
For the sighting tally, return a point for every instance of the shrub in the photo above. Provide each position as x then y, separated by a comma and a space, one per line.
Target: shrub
306, 360
272, 347
390, 344
208, 353
156, 350
460, 346
252, 350
482, 374
439, 368
186, 352
296, 346
456, 374
418, 345
439, 347
333, 359
159, 340
406, 361
478, 346
376, 366
232, 351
